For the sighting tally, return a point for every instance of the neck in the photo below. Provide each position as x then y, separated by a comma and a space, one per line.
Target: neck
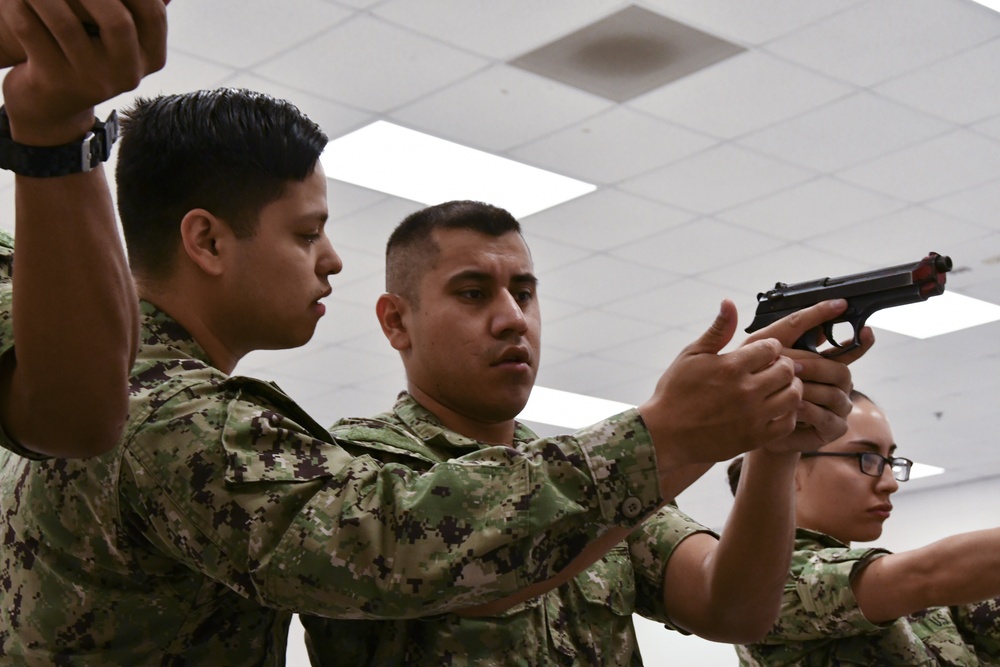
494, 433
178, 302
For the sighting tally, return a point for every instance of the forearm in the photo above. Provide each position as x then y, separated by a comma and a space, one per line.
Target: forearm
956, 570
744, 574
75, 318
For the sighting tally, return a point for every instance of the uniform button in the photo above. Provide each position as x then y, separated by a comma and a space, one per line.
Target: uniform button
631, 507
274, 418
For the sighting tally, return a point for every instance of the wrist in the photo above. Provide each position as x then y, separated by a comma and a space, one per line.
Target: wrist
32, 130
79, 154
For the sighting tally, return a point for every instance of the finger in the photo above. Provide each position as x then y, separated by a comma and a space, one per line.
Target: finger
866, 340
150, 18
826, 426
757, 356
789, 329
118, 47
718, 334
827, 397
820, 370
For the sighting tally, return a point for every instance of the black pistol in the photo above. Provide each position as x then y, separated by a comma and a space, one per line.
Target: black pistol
865, 293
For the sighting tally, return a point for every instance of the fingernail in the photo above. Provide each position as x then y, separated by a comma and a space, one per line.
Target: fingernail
798, 367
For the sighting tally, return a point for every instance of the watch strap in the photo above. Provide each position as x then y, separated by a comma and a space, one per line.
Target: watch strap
72, 158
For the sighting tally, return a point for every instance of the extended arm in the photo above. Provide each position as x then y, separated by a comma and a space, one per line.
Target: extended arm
956, 570
63, 389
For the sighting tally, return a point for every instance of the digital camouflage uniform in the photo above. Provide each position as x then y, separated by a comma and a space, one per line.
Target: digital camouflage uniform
587, 621
821, 623
226, 508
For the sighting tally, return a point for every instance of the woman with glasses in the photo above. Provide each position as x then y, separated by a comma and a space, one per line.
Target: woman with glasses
847, 605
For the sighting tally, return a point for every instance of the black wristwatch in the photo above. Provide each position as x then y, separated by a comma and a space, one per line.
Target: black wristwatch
41, 161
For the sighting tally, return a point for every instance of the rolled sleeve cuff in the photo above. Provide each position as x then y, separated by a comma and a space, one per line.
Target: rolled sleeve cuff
622, 459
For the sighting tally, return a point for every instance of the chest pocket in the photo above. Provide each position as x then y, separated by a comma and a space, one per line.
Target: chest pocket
609, 583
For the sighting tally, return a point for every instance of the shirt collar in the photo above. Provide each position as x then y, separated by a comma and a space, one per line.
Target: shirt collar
164, 337
429, 428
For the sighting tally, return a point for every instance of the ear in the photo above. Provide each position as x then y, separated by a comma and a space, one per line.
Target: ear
203, 235
393, 311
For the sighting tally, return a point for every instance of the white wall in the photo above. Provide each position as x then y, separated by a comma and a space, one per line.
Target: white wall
918, 519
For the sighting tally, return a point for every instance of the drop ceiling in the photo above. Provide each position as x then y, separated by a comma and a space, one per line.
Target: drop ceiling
841, 136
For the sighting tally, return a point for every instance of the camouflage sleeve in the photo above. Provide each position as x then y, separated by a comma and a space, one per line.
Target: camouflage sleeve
979, 624
255, 499
819, 601
650, 548
7, 346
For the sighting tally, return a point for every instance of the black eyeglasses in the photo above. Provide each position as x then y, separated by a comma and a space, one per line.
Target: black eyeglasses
873, 464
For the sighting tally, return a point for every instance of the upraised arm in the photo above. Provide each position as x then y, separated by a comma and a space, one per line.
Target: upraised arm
63, 388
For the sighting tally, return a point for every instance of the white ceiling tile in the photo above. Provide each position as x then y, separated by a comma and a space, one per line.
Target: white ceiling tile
368, 229
498, 30
347, 199
874, 41
898, 238
612, 146
335, 119
255, 30
753, 21
789, 264
979, 204
592, 330
845, 132
656, 352
686, 304
549, 255
768, 90
185, 74
585, 374
602, 220
716, 179
499, 108
348, 60
812, 208
990, 127
966, 87
600, 279
939, 166
697, 247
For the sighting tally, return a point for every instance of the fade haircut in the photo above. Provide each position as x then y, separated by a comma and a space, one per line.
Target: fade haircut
735, 468
229, 151
411, 249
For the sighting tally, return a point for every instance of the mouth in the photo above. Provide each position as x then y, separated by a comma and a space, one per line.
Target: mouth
882, 511
514, 356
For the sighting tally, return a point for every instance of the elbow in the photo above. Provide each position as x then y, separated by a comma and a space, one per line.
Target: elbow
68, 429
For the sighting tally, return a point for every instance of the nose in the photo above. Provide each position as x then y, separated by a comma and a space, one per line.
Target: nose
329, 262
508, 315
886, 483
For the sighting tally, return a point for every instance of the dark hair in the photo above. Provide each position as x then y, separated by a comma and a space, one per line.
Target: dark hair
229, 151
411, 249
736, 465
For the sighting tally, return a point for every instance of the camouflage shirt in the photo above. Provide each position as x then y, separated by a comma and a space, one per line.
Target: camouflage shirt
226, 508
587, 621
6, 270
821, 623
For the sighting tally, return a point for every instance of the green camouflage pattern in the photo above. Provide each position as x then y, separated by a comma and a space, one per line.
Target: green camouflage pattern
821, 623
225, 508
587, 621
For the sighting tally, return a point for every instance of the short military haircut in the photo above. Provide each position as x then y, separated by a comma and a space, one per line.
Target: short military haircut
735, 468
411, 249
228, 151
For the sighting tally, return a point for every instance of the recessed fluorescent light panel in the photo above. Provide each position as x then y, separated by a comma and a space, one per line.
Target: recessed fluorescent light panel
924, 470
938, 315
564, 408
992, 4
417, 166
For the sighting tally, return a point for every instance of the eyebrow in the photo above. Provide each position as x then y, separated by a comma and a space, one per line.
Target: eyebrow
872, 445
482, 276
